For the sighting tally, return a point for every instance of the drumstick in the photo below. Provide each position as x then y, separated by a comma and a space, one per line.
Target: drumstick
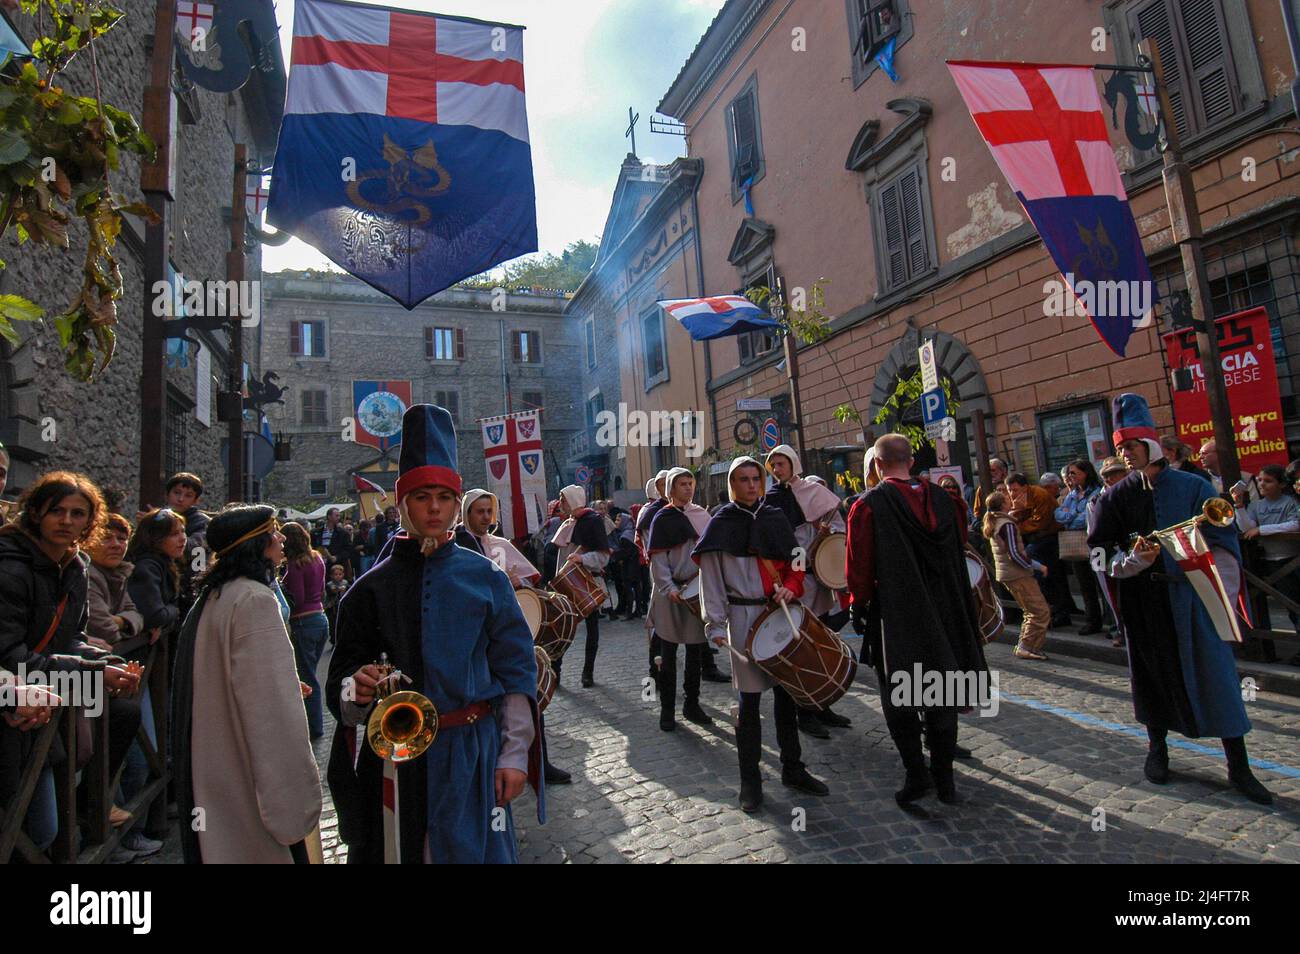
794, 630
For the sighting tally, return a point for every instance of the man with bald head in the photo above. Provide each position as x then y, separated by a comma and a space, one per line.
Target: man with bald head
1210, 461
907, 576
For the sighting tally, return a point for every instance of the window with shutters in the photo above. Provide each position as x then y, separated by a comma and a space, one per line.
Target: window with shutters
755, 344
526, 347
451, 401
654, 348
318, 487
595, 407
535, 401
872, 24
590, 331
313, 407
1197, 55
744, 140
900, 217
444, 344
307, 339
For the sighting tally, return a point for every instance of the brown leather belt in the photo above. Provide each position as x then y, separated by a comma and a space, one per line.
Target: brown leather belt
466, 716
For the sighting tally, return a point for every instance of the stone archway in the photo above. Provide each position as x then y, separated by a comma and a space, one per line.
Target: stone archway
954, 360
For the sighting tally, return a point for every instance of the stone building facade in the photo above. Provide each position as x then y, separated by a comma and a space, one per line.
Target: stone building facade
50, 421
885, 193
323, 332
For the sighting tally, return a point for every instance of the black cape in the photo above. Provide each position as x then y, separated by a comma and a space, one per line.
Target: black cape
782, 497
924, 609
758, 531
671, 527
647, 513
589, 532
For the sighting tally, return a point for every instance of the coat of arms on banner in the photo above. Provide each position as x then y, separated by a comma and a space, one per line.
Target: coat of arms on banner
512, 448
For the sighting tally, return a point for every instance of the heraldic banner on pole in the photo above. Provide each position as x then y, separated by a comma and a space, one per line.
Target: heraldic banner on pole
512, 449
404, 155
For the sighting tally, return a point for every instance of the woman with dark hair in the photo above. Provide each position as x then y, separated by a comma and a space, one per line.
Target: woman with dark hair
1081, 477
155, 584
239, 733
43, 613
304, 585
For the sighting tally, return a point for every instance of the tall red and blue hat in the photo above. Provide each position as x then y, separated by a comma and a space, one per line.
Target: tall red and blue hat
1133, 422
428, 456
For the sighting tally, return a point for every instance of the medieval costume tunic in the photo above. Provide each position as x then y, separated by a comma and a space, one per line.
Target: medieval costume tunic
446, 617
744, 554
644, 520
907, 570
810, 507
583, 533
1184, 676
496, 548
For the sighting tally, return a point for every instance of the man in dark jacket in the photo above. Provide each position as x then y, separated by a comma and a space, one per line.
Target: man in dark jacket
336, 541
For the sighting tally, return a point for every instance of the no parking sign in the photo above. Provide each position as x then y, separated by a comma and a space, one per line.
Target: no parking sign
583, 475
770, 435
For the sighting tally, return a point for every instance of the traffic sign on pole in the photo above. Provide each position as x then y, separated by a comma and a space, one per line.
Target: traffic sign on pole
770, 436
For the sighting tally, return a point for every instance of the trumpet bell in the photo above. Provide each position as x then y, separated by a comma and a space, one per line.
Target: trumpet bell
402, 726
1219, 512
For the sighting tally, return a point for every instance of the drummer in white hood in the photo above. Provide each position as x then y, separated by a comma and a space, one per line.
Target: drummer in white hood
582, 539
745, 558
811, 507
673, 533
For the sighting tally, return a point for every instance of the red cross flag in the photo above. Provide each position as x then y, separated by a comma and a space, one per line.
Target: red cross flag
1192, 554
512, 447
255, 197
193, 20
1044, 125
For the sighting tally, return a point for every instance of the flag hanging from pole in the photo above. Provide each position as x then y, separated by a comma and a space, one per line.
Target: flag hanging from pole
1045, 128
718, 317
404, 154
512, 448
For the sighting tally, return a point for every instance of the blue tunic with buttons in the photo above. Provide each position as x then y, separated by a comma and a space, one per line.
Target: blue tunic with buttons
476, 646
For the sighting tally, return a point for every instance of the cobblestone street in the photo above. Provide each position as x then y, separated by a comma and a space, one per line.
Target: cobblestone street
1062, 746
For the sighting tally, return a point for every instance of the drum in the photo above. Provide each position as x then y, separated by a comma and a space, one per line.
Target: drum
811, 663
988, 609
546, 680
827, 558
530, 602
575, 582
691, 595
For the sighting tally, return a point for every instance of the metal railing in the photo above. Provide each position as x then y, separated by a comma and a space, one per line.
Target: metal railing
85, 796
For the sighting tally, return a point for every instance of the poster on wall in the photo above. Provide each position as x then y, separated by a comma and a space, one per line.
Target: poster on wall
1250, 376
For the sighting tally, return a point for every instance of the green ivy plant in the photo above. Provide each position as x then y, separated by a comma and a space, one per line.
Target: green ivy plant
56, 153
906, 393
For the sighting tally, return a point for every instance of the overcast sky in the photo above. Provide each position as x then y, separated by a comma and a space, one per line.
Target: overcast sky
585, 63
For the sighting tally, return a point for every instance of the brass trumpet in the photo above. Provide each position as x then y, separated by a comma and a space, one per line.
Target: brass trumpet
1215, 511
403, 724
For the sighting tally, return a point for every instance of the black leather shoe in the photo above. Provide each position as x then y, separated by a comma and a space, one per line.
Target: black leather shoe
945, 784
827, 717
915, 785
1156, 768
961, 752
714, 675
692, 712
751, 797
588, 680
1248, 785
803, 781
1091, 629
556, 776
667, 722
810, 724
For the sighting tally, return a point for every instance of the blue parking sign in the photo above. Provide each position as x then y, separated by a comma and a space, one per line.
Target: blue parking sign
934, 406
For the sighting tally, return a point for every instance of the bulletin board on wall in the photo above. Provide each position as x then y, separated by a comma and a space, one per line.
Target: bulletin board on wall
1082, 430
1020, 451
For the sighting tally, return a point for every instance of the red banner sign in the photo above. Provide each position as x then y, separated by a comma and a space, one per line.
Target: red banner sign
1250, 373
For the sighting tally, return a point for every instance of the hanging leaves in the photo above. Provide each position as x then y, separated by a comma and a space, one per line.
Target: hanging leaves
56, 153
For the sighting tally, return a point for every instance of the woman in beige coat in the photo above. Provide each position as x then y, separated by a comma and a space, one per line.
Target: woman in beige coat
247, 783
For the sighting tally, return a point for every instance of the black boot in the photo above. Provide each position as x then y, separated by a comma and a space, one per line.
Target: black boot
691, 710
827, 717
809, 723
749, 749
907, 738
590, 647
556, 776
1156, 768
1240, 775
801, 779
941, 752
668, 686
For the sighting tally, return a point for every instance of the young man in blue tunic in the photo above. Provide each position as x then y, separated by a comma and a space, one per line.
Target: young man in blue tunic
447, 617
1184, 676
